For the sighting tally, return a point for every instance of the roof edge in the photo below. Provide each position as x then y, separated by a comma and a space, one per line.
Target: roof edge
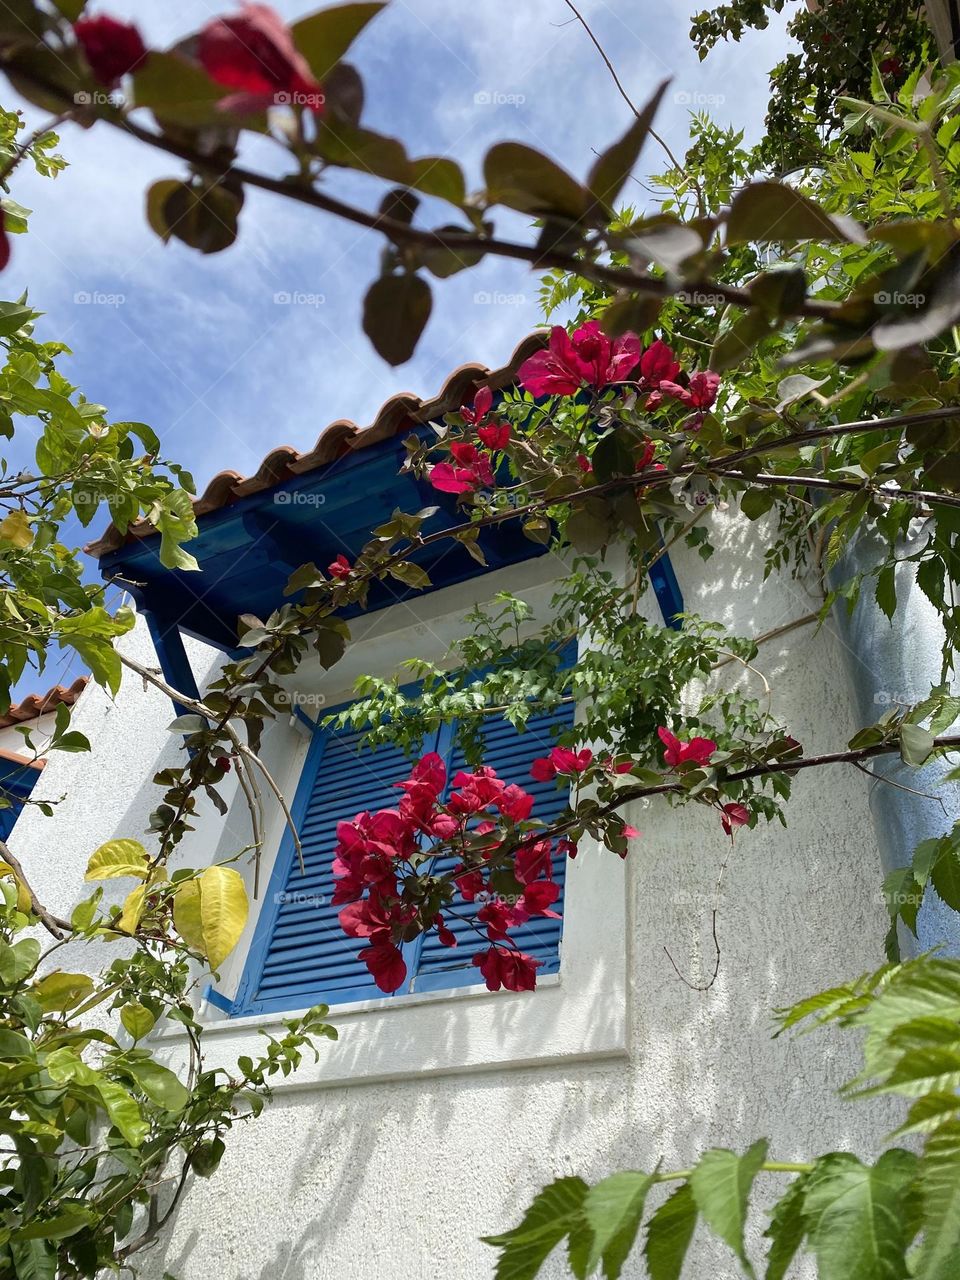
399, 413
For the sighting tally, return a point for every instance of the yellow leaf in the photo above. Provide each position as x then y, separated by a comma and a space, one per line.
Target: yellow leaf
186, 914
24, 902
60, 991
223, 911
118, 858
132, 910
15, 528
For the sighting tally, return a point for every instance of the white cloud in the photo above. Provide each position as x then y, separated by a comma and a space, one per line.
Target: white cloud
200, 349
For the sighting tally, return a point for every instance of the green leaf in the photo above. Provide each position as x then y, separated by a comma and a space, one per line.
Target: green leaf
203, 217
916, 744
34, 1259
887, 590
939, 1180
613, 1210
612, 169
324, 37
550, 1217
410, 574
118, 858
206, 1156
395, 312
945, 874
137, 1020
177, 90
786, 1230
721, 1184
524, 179
159, 1084
669, 1233
18, 961
774, 211
856, 1215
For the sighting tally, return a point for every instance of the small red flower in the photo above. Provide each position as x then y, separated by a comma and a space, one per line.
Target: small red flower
611, 766
386, 964
697, 750
254, 53
700, 394
734, 815
473, 472
445, 936
340, 568
584, 463
495, 435
658, 364
112, 49
588, 357
561, 760
539, 897
515, 803
513, 970
482, 402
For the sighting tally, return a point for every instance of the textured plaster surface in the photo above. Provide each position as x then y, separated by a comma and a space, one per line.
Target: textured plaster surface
395, 1181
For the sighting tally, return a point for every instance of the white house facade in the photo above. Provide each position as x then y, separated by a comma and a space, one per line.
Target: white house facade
441, 1110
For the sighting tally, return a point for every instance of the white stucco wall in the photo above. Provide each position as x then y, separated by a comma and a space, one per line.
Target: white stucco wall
395, 1180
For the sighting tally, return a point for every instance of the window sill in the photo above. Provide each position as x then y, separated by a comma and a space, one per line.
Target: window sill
467, 1029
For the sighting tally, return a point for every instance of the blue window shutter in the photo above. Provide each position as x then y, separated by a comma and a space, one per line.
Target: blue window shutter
300, 956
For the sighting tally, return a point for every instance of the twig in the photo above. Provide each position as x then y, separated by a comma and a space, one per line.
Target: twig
53, 924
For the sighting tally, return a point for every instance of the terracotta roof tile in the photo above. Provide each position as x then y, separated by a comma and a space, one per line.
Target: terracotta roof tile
36, 704
397, 414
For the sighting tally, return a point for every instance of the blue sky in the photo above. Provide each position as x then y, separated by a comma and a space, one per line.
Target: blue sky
199, 347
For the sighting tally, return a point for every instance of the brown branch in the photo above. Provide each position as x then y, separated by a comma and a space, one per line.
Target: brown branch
293, 188
53, 924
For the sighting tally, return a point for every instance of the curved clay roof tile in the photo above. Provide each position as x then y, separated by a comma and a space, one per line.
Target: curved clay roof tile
35, 705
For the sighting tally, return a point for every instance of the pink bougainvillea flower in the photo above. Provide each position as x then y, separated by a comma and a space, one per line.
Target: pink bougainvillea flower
568, 847
502, 967
386, 965
561, 760
112, 49
631, 832
589, 356
734, 815
584, 463
482, 403
253, 52
495, 435
699, 394
539, 897
470, 883
658, 364
340, 568
445, 936
472, 472
515, 803
697, 750
532, 861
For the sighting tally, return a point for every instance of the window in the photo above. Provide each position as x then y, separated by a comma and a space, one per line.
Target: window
299, 955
